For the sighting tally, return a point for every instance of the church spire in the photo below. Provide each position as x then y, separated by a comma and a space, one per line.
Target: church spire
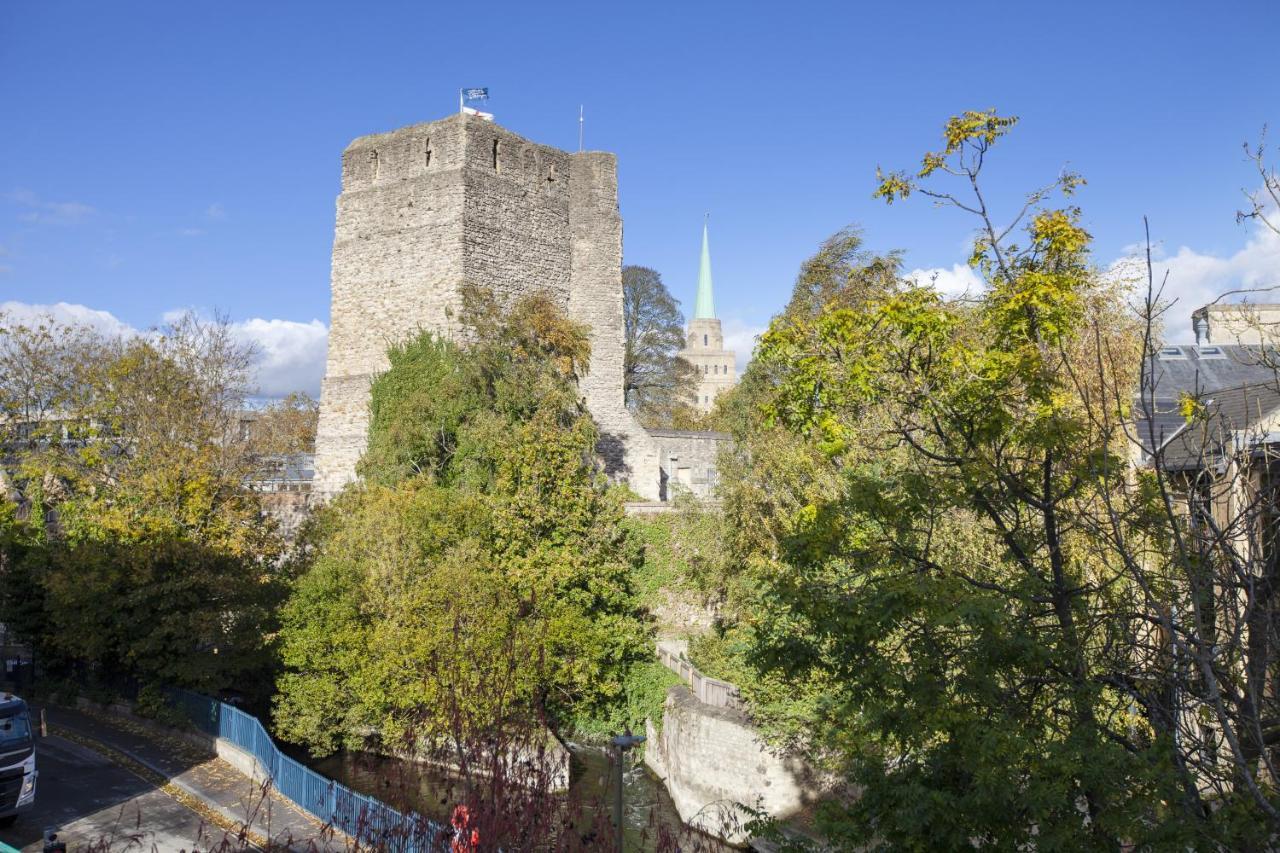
704, 308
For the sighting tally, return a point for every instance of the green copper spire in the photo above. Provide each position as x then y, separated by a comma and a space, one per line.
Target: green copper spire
704, 308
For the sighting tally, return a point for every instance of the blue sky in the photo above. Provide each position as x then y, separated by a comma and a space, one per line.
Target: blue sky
162, 156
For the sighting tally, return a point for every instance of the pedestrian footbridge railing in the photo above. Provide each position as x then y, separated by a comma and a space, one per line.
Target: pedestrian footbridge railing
369, 821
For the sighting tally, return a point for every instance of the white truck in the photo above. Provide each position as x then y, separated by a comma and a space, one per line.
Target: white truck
17, 759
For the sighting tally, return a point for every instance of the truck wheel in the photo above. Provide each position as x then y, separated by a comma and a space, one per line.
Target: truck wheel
6, 822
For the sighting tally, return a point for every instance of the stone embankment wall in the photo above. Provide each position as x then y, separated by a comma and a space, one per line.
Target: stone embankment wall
713, 761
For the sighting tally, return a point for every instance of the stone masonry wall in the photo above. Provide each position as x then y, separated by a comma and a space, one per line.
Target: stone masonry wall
689, 460
426, 208
595, 298
712, 762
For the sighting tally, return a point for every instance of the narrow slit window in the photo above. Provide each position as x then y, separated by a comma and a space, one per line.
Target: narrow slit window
704, 341
373, 164
496, 168
426, 154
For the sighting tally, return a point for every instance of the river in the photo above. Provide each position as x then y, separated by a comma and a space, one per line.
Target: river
647, 807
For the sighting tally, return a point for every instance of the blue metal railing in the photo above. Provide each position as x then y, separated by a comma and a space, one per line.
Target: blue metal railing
365, 819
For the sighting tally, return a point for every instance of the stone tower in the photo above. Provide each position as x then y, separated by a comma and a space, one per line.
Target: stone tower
428, 207
704, 342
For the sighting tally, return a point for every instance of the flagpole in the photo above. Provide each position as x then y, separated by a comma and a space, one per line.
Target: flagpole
460, 101
579, 128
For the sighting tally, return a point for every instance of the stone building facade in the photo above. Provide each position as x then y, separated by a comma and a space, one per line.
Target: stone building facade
689, 460
704, 341
427, 208
1240, 323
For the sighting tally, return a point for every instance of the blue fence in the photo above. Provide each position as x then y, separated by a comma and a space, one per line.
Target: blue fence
368, 820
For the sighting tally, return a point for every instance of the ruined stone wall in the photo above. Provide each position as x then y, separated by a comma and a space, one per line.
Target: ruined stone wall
429, 207
689, 460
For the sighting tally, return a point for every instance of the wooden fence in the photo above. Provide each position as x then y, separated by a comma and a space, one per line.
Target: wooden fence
710, 691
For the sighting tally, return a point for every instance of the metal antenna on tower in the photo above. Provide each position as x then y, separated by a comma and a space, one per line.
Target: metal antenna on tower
579, 128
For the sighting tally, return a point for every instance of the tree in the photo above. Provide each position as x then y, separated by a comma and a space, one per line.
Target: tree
285, 426
147, 557
485, 536
968, 587
657, 383
1264, 203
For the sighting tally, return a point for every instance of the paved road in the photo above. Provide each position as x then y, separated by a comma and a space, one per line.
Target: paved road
89, 799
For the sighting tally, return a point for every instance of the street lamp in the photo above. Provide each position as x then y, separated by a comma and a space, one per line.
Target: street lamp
622, 743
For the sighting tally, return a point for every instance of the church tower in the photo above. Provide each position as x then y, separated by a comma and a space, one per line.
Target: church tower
704, 343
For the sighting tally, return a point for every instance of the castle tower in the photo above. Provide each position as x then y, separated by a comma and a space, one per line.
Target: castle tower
704, 342
424, 209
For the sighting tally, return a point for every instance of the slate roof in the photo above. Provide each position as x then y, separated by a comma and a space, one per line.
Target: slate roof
1201, 371
1192, 369
1230, 424
286, 467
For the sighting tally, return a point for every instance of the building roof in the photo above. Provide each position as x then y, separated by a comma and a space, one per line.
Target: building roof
286, 467
1233, 421
1196, 370
704, 308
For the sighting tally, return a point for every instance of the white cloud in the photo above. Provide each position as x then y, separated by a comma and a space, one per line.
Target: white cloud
216, 211
69, 314
741, 338
191, 232
1196, 279
49, 212
959, 281
290, 354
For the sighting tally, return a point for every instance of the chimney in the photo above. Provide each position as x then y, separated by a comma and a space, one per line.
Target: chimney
1200, 323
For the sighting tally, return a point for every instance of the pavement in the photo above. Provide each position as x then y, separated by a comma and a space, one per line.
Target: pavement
116, 784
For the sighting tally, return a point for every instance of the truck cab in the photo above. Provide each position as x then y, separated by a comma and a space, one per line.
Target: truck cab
17, 759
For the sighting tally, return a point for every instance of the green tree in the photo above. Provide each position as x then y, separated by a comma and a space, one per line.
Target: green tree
152, 561
484, 550
657, 383
951, 584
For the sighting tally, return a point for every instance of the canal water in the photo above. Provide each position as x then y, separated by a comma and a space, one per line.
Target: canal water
648, 812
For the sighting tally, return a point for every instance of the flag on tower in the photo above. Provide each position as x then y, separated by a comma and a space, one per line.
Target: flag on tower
480, 93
